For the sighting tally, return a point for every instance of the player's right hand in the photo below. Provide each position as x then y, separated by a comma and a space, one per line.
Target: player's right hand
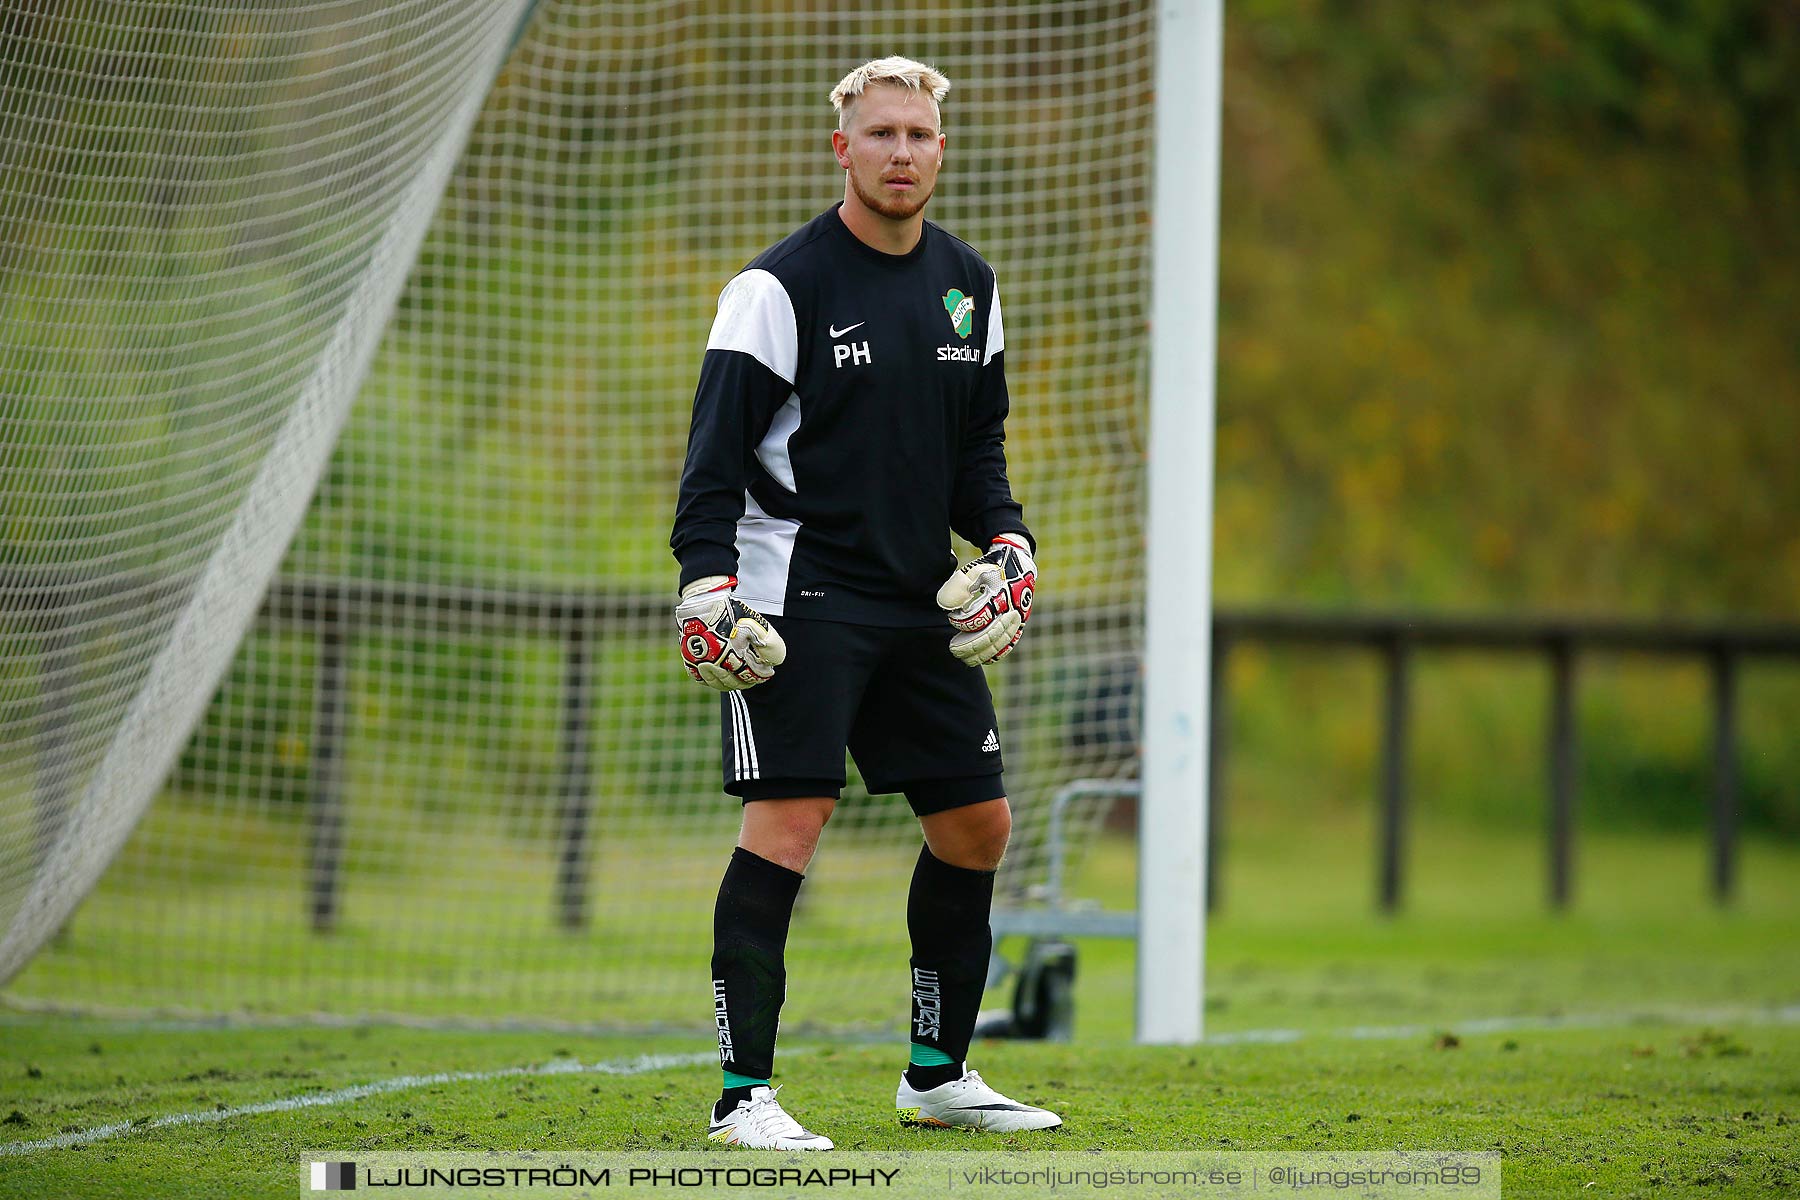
725, 644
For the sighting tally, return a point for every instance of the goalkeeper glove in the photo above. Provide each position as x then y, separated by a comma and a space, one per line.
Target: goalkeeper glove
725, 644
989, 600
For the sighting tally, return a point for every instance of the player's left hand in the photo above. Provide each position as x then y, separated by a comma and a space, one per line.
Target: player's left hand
989, 600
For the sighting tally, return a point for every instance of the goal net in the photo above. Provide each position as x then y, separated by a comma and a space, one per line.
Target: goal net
433, 754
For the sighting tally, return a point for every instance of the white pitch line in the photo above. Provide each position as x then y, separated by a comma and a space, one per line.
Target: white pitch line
1786, 1015
630, 1066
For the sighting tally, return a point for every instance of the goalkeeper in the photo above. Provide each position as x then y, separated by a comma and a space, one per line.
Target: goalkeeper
851, 412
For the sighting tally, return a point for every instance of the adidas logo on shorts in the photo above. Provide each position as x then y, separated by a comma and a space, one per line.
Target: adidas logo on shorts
992, 745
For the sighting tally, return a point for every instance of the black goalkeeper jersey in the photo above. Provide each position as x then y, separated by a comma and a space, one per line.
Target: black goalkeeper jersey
851, 410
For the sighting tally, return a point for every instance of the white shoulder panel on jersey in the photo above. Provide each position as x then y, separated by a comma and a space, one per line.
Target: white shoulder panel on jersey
756, 317
996, 333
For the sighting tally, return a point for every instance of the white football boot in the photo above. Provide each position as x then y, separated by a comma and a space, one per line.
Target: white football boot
760, 1124
968, 1103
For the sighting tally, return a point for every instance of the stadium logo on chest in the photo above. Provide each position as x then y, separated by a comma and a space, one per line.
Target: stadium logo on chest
961, 309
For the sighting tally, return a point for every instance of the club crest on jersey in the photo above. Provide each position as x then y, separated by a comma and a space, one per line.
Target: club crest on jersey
962, 312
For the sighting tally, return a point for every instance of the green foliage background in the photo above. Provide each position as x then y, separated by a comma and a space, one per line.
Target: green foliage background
1509, 313
1508, 322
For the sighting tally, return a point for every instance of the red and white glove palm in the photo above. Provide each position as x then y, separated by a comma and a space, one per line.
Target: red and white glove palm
989, 600
726, 644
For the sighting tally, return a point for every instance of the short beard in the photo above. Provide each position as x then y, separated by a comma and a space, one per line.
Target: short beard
894, 208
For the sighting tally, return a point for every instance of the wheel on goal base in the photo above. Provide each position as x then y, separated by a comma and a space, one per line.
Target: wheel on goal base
1043, 1007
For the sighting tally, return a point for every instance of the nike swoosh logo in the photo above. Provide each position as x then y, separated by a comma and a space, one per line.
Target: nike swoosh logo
837, 333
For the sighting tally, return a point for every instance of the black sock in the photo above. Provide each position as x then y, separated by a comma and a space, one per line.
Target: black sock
947, 915
730, 1098
750, 928
923, 1079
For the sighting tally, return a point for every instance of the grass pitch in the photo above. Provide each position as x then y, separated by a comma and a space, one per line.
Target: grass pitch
1646, 1043
1652, 1109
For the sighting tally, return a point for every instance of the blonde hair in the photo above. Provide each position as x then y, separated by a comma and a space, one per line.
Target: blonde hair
903, 72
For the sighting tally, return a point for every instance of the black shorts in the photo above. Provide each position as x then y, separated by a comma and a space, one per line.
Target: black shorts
915, 719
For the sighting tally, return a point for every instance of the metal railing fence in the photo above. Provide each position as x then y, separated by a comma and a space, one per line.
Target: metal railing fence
337, 611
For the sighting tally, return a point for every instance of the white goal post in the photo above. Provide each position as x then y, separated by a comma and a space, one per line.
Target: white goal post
1172, 824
